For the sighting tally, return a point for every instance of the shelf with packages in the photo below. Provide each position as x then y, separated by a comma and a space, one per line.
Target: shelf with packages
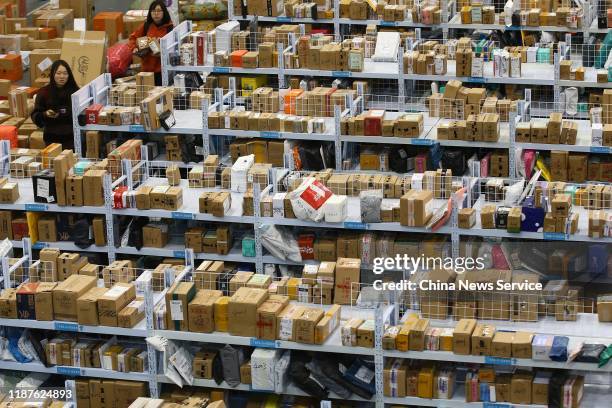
26, 202
283, 19
333, 344
581, 234
177, 250
456, 23
63, 246
290, 388
74, 371
137, 331
187, 122
594, 396
583, 142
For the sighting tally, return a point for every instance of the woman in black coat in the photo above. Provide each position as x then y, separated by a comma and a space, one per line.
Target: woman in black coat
53, 106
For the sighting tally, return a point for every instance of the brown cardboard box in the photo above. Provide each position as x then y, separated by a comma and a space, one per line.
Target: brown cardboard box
416, 208
203, 364
467, 218
286, 321
178, 297
93, 191
8, 303
242, 311
130, 315
87, 306
462, 336
561, 205
89, 46
201, 311
501, 345
66, 293
113, 301
521, 345
482, 339
416, 337
394, 378
43, 301
487, 216
155, 235
365, 334
304, 325
347, 272
267, 316
539, 389
327, 325
520, 388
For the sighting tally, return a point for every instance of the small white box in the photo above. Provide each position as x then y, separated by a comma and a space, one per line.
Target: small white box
263, 362
541, 345
336, 208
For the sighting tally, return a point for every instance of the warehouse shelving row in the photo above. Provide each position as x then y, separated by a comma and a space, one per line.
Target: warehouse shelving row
449, 16
383, 314
191, 124
541, 74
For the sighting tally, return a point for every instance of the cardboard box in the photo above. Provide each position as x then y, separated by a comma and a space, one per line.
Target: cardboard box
268, 314
462, 336
347, 272
66, 293
78, 47
501, 345
305, 324
520, 388
87, 306
93, 187
201, 311
467, 218
178, 297
416, 208
521, 345
482, 339
43, 301
365, 334
242, 310
394, 378
130, 315
113, 301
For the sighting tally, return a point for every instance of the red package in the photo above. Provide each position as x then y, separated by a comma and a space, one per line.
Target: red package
373, 123
9, 133
119, 197
306, 243
119, 59
92, 112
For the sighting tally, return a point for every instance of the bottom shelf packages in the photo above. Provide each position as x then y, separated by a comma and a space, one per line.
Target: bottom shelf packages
73, 371
291, 389
594, 396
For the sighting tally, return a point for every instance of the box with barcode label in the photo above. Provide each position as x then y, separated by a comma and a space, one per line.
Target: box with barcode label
113, 301
177, 299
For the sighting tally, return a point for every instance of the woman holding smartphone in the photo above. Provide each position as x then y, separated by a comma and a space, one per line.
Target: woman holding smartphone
53, 106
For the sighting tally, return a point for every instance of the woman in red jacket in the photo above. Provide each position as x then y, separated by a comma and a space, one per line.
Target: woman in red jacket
157, 25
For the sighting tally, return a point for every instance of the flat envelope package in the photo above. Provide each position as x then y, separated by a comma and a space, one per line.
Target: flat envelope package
85, 52
309, 199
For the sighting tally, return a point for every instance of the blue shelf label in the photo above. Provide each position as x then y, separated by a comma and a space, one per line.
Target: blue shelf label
136, 128
600, 149
283, 19
36, 207
479, 80
177, 215
355, 225
72, 371
499, 360
494, 405
221, 70
344, 74
421, 142
270, 135
178, 254
555, 236
67, 327
388, 23
40, 245
272, 344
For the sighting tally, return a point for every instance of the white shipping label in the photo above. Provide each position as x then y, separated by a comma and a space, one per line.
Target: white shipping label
42, 188
44, 64
364, 374
116, 291
286, 329
303, 293
176, 310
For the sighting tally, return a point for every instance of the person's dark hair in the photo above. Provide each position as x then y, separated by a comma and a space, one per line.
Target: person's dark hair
165, 20
71, 85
